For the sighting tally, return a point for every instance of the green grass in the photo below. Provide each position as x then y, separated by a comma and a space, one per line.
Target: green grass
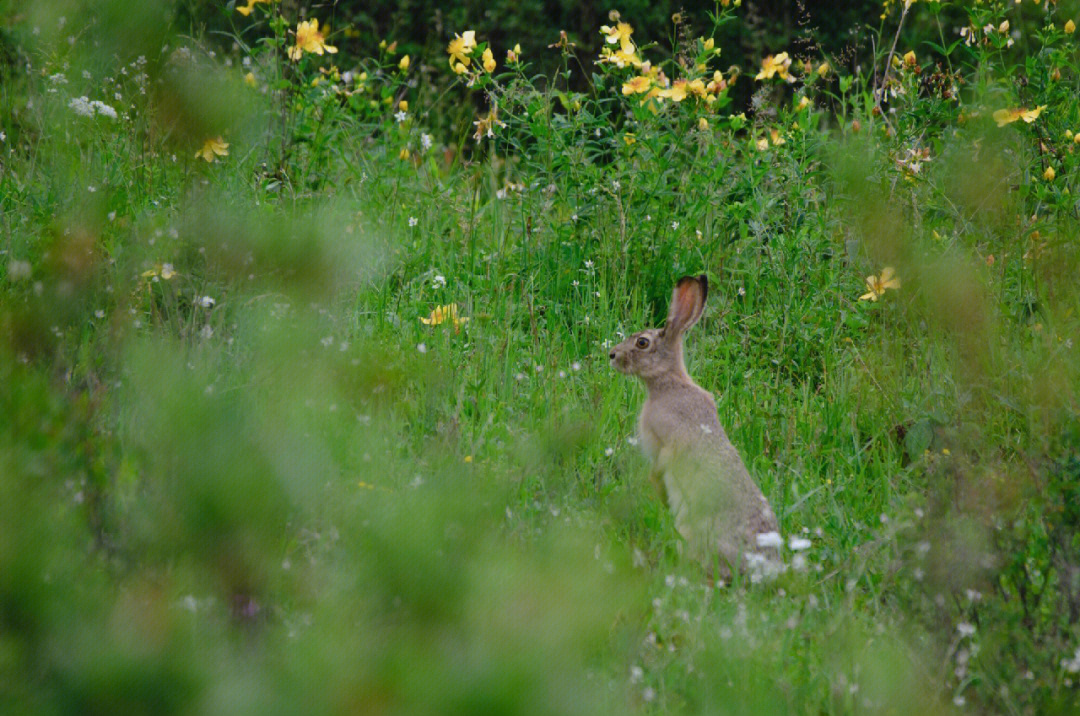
303, 498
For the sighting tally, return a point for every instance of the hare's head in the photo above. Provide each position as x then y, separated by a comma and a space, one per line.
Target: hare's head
657, 352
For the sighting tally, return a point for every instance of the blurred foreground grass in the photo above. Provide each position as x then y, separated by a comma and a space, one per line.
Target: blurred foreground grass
253, 462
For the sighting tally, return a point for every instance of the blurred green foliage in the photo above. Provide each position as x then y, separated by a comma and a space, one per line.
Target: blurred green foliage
252, 461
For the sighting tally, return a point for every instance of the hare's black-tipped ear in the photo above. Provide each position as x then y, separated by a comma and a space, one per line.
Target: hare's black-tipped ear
687, 304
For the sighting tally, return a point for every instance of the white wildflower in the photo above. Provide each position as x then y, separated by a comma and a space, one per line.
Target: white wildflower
798, 544
769, 539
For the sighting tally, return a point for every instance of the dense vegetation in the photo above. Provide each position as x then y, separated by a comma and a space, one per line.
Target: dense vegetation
303, 331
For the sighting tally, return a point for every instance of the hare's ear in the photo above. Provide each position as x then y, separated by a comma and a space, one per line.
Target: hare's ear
687, 304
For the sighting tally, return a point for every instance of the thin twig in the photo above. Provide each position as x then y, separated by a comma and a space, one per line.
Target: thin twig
879, 93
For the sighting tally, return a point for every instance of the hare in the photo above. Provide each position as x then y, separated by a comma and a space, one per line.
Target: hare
719, 510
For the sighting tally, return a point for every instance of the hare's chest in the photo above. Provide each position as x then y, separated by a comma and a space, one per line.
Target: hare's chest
650, 441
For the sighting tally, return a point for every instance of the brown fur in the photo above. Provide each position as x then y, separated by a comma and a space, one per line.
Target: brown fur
718, 508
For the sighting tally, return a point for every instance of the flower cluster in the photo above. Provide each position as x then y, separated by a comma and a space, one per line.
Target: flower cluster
463, 49
651, 83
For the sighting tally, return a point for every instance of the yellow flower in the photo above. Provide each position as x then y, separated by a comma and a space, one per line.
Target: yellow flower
709, 44
403, 154
404, 63
460, 48
211, 147
442, 313
1008, 116
165, 271
485, 126
718, 83
514, 55
620, 34
629, 138
677, 92
777, 140
637, 85
878, 284
249, 79
777, 65
620, 58
762, 144
309, 39
245, 10
1049, 174
403, 105
804, 102
1070, 27
703, 124
823, 69
909, 59
489, 61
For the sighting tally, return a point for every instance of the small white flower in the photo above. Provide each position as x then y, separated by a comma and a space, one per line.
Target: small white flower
574, 217
636, 674
421, 347
99, 313
589, 264
797, 544
206, 332
81, 106
401, 116
609, 452
965, 629
575, 366
413, 221
741, 291
959, 701
648, 694
674, 225
425, 142
438, 281
327, 342
18, 270
769, 539
205, 301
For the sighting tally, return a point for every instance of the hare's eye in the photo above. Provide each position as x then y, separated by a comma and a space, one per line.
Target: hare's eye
642, 343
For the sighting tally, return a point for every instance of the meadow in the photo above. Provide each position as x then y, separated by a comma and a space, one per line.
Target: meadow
305, 402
